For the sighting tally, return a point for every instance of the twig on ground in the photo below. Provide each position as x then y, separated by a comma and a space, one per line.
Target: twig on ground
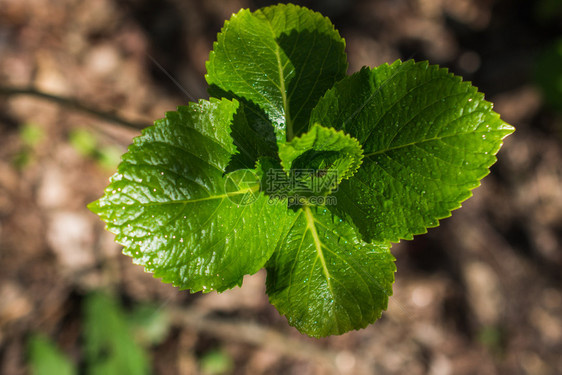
71, 104
253, 334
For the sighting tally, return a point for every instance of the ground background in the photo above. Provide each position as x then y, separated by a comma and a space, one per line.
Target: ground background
479, 295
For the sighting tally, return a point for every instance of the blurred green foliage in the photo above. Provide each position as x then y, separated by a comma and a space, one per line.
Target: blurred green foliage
30, 135
114, 342
108, 342
46, 359
83, 141
150, 324
548, 74
86, 144
216, 362
493, 339
548, 11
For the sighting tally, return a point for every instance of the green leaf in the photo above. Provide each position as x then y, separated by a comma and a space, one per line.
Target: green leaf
427, 137
324, 278
46, 359
336, 155
175, 211
108, 343
282, 58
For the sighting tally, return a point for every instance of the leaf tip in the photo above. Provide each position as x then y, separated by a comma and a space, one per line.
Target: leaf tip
94, 206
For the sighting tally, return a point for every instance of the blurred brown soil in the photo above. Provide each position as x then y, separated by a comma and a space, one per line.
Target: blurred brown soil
481, 294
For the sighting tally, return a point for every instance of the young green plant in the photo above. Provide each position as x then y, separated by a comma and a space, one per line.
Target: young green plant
293, 166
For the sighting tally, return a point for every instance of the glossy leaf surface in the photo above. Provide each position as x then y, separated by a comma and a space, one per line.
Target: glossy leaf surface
325, 279
428, 139
281, 58
175, 211
213, 191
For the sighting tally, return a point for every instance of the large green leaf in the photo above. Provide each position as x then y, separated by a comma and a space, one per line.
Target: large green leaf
324, 278
428, 139
282, 58
175, 211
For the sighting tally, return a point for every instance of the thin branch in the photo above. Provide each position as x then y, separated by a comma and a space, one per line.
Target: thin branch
253, 334
71, 104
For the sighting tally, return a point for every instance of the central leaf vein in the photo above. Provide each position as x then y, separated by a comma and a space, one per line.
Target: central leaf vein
250, 190
438, 138
288, 121
311, 226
